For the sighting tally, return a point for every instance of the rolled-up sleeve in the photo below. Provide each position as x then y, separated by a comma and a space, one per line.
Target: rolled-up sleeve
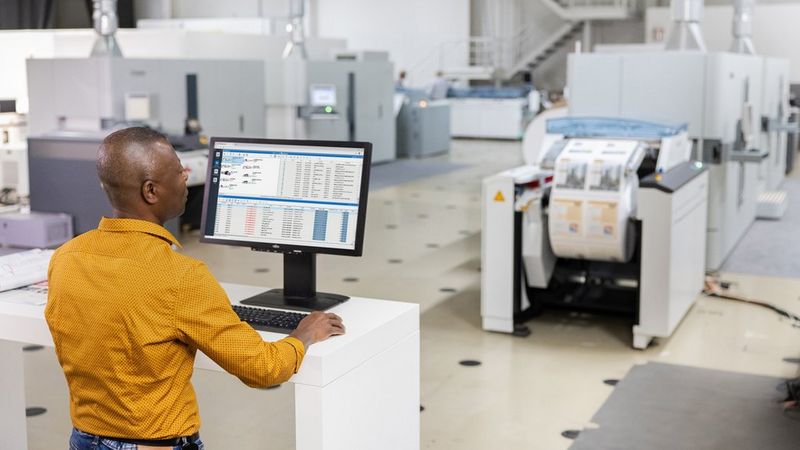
204, 319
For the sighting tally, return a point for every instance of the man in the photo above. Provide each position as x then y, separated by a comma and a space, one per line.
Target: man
400, 84
128, 313
439, 88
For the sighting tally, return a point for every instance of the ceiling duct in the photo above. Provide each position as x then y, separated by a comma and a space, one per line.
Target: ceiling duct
296, 47
106, 23
743, 27
685, 33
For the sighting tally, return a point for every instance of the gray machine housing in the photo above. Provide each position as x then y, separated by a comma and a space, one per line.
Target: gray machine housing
90, 94
364, 102
423, 127
718, 94
35, 230
362, 111
63, 172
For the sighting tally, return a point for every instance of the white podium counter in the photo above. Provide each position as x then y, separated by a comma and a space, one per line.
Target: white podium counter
356, 391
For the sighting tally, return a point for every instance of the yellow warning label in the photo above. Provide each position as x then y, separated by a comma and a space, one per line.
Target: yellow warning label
499, 197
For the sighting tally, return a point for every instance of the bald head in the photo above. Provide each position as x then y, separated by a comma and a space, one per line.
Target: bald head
139, 170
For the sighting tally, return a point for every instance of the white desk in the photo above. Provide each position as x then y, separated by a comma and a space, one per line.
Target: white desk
357, 391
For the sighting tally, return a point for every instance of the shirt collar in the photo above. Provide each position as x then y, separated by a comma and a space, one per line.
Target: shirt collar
137, 225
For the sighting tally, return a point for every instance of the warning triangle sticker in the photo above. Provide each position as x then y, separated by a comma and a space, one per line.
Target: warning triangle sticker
499, 197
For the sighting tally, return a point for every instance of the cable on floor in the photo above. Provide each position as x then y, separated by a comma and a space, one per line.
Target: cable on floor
719, 289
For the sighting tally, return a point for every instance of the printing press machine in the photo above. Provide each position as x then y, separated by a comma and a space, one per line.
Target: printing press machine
611, 217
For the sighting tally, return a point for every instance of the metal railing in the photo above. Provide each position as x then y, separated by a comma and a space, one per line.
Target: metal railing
505, 56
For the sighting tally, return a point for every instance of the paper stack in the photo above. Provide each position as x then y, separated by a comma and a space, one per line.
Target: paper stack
593, 198
24, 268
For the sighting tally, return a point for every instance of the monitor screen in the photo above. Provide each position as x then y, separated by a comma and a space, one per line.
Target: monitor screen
281, 195
323, 94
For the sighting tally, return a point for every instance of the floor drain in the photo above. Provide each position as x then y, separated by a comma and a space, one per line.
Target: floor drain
432, 245
261, 270
32, 348
570, 434
470, 363
447, 289
395, 261
350, 279
35, 411
611, 382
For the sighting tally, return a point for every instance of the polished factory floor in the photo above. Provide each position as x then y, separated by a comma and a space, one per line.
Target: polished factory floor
423, 245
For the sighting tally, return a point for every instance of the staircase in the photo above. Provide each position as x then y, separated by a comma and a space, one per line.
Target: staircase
503, 59
567, 33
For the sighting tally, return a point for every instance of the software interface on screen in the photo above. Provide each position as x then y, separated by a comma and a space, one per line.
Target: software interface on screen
285, 194
323, 94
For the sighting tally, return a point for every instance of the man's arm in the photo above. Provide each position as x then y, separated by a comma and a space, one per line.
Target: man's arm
204, 319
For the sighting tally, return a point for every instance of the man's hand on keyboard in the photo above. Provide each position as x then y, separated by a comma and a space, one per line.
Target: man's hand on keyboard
317, 327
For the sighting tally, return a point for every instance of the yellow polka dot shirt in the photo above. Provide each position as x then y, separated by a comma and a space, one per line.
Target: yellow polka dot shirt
128, 313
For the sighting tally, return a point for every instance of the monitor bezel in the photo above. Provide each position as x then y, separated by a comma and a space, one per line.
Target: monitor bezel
289, 248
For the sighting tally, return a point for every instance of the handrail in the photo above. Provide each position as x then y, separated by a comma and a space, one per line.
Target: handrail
509, 54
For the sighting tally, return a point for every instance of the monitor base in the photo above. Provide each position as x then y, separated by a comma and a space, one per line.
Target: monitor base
276, 298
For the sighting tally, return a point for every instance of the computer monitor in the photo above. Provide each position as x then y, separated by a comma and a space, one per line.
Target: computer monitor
322, 94
293, 197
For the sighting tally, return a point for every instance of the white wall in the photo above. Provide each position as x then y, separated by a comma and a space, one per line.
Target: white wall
228, 8
775, 30
17, 46
411, 30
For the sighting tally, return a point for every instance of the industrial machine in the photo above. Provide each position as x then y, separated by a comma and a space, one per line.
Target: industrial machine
13, 153
611, 216
488, 112
776, 126
99, 93
63, 172
75, 103
423, 126
735, 103
719, 95
346, 98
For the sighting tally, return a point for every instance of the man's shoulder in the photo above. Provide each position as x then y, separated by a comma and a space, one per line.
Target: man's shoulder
186, 262
164, 257
78, 243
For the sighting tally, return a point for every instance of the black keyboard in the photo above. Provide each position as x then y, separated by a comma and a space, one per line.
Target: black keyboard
273, 320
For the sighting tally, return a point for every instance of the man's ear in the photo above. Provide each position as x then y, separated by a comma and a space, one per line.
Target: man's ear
149, 193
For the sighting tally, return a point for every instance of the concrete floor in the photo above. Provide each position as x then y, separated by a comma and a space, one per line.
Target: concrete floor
423, 245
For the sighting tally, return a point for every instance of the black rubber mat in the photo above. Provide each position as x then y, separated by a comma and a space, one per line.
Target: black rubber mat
664, 406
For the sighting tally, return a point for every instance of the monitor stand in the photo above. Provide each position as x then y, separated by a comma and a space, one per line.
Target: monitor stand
299, 291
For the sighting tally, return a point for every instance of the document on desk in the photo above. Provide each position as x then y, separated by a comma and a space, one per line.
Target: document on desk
35, 294
24, 268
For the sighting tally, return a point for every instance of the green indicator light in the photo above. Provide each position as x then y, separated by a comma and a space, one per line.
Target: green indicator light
328, 109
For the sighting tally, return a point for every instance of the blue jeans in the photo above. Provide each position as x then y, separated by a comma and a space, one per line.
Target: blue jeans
85, 441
